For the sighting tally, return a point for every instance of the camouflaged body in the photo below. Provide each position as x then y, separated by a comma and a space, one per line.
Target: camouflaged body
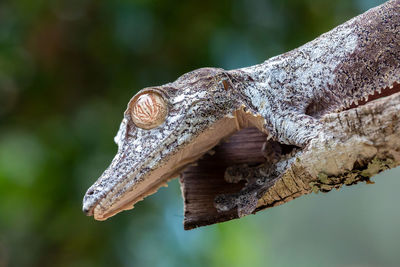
290, 92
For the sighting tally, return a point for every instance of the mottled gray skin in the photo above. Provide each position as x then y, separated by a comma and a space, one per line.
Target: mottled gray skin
341, 67
290, 92
196, 100
329, 74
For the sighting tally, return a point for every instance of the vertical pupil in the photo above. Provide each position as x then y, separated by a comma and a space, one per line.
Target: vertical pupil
146, 106
148, 110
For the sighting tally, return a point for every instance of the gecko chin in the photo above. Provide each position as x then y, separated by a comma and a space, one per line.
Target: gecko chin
125, 198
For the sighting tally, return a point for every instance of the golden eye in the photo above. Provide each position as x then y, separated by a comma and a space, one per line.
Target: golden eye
149, 110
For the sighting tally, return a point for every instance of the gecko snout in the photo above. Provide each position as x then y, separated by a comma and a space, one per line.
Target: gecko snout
89, 201
86, 211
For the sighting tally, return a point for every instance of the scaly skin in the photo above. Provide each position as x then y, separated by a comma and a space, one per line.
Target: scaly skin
285, 97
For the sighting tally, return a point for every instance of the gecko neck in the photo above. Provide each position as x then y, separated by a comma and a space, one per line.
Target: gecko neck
336, 71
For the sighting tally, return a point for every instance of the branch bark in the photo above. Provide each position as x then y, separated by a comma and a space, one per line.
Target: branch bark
353, 146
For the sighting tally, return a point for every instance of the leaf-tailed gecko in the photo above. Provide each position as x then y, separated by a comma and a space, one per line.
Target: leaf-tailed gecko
167, 127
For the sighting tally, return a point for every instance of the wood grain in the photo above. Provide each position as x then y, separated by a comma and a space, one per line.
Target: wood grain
203, 182
353, 146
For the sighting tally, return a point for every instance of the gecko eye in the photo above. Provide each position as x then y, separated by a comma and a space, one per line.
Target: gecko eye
149, 110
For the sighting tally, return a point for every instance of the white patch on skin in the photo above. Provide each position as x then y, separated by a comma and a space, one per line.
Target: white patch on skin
126, 171
179, 98
283, 86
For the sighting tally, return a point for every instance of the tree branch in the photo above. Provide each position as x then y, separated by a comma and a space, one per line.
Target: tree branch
353, 146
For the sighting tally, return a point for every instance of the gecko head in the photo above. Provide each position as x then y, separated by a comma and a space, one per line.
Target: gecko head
163, 130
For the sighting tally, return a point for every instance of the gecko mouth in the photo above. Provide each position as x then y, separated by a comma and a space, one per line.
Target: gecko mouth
130, 198
395, 88
128, 194
103, 212
321, 106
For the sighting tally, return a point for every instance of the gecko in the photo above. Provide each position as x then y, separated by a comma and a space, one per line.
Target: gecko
165, 128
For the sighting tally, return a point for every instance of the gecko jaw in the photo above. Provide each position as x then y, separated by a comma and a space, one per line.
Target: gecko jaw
379, 93
111, 202
103, 202
126, 202
132, 188
368, 97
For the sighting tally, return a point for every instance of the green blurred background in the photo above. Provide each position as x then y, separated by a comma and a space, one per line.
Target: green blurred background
67, 71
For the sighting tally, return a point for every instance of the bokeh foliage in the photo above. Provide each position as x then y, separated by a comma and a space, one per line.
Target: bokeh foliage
67, 71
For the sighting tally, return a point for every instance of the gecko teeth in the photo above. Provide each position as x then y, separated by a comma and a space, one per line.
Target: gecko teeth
378, 93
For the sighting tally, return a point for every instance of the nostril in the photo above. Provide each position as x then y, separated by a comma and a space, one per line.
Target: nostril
87, 211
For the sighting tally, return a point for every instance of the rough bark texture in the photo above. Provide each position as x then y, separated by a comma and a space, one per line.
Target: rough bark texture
355, 145
330, 78
204, 181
